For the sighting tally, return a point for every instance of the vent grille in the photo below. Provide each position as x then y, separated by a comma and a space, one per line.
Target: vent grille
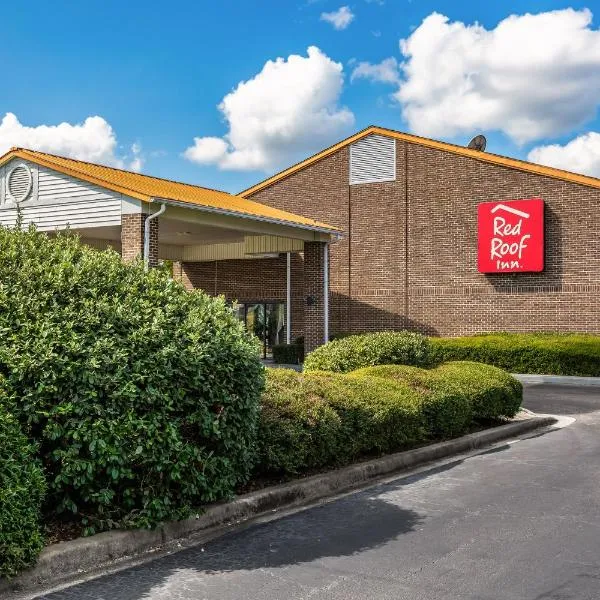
373, 159
19, 183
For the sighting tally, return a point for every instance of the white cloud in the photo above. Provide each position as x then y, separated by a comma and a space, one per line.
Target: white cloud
340, 18
207, 150
385, 72
532, 76
94, 140
137, 162
581, 154
289, 108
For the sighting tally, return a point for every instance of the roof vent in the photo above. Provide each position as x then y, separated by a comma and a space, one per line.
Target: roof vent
19, 183
373, 159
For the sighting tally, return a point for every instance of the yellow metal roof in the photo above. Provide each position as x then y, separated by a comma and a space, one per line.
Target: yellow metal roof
146, 188
511, 163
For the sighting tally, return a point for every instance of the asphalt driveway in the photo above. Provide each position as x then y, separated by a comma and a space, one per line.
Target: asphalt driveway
518, 521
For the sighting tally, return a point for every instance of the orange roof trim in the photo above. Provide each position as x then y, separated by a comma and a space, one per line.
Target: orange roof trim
147, 189
511, 163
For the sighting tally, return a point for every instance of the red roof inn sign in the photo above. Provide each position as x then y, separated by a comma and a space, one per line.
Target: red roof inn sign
511, 236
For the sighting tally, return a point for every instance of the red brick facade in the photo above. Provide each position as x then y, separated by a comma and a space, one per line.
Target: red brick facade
132, 238
409, 253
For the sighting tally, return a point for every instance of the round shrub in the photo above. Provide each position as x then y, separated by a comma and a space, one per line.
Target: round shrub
22, 488
542, 353
312, 420
494, 393
448, 412
456, 392
298, 429
143, 396
370, 349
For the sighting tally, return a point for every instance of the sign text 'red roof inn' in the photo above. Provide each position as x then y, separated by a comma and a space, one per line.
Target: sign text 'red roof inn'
511, 236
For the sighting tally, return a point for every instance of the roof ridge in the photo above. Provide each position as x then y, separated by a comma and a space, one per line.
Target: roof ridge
498, 159
130, 172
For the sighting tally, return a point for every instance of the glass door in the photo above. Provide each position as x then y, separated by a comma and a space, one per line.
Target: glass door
266, 320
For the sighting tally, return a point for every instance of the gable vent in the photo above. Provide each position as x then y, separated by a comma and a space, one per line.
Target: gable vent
373, 159
19, 183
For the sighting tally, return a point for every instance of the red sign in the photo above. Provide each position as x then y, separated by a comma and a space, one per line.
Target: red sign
511, 236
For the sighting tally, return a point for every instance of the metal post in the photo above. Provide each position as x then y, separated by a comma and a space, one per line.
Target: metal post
288, 299
326, 291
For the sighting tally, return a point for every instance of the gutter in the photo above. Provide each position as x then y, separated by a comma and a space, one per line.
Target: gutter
149, 218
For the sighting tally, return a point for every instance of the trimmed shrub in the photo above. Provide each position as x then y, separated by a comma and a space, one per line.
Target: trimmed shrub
370, 349
144, 397
313, 420
449, 413
22, 487
288, 354
455, 390
297, 431
543, 353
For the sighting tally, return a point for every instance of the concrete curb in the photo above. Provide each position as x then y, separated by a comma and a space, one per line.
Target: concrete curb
559, 380
66, 561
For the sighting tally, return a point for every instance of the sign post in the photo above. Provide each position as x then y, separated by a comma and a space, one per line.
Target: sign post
511, 236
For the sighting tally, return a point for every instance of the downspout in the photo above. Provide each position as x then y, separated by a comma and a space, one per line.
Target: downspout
149, 218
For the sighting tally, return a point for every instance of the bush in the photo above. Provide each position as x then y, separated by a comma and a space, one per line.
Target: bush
370, 349
22, 488
543, 353
313, 420
288, 354
144, 396
455, 392
449, 413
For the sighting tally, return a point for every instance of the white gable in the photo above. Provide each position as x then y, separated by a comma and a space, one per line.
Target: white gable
55, 200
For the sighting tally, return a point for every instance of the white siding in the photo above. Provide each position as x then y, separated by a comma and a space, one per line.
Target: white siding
59, 201
373, 159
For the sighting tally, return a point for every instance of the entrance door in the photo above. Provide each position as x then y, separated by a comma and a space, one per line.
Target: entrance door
266, 320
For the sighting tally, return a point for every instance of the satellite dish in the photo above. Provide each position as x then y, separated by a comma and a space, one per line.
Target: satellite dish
478, 143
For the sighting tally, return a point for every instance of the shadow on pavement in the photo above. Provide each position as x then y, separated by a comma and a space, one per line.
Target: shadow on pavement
344, 527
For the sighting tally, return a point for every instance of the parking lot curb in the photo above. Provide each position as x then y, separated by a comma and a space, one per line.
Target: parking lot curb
559, 380
72, 560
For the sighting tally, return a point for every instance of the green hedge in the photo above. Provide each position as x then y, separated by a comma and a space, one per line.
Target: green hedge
22, 488
370, 349
456, 392
313, 420
322, 419
543, 353
144, 397
288, 354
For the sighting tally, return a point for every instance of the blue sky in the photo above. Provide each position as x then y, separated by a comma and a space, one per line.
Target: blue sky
155, 74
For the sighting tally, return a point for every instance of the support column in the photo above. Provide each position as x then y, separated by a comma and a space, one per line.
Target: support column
316, 294
288, 298
132, 238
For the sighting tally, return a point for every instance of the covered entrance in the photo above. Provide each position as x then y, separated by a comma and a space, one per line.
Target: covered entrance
224, 244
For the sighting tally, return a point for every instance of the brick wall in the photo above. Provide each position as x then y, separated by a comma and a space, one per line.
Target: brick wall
409, 253
132, 237
314, 325
250, 280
